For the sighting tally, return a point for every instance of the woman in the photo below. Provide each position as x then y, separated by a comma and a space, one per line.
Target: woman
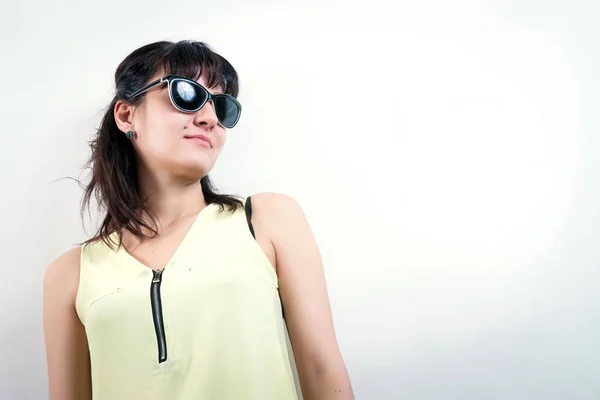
182, 291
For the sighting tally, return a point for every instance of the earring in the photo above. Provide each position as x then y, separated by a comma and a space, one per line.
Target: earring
129, 134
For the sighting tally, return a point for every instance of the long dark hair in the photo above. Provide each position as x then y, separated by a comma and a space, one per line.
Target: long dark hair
114, 180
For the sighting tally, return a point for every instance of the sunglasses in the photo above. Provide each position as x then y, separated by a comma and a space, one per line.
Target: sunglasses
188, 96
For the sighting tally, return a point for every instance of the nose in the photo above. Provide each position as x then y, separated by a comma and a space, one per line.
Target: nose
206, 117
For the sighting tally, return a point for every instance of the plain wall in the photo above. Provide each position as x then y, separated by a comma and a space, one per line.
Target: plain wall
445, 153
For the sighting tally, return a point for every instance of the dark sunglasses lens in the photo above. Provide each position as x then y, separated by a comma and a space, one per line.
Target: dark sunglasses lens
228, 111
187, 96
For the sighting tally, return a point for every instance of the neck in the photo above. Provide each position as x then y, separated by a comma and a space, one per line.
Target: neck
170, 201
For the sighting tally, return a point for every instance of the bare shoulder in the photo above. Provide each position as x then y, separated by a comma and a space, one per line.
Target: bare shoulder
65, 265
62, 274
282, 219
274, 217
276, 209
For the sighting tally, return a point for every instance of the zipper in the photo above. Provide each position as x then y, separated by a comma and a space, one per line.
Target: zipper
157, 315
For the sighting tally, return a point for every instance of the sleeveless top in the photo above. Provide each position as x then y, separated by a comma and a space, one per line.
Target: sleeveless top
208, 326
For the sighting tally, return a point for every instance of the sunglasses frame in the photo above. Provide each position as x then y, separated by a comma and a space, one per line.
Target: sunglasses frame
171, 78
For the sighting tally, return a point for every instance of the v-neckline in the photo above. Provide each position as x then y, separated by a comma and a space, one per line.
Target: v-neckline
122, 250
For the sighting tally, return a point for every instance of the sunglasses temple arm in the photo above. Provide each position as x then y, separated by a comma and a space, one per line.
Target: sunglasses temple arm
146, 88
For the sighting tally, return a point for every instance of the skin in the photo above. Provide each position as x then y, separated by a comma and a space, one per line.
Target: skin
170, 167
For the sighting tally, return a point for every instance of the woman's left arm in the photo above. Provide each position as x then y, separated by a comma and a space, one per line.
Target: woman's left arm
321, 369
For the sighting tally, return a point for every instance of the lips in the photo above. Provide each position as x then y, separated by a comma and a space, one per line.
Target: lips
200, 138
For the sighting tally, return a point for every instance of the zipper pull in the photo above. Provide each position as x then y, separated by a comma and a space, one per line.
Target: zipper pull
157, 275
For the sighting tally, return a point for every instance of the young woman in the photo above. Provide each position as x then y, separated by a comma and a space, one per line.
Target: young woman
185, 293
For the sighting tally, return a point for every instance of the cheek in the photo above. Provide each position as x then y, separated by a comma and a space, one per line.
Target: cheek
161, 126
220, 139
160, 140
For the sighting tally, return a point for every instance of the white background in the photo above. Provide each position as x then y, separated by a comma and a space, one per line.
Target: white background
445, 153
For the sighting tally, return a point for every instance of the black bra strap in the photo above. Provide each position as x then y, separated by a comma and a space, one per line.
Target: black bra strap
249, 215
248, 208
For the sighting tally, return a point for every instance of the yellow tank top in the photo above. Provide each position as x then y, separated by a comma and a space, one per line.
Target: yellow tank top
209, 326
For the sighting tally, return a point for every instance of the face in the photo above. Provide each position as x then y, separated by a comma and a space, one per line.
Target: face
172, 142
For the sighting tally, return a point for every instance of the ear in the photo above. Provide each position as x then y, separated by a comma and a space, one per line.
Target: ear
123, 113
